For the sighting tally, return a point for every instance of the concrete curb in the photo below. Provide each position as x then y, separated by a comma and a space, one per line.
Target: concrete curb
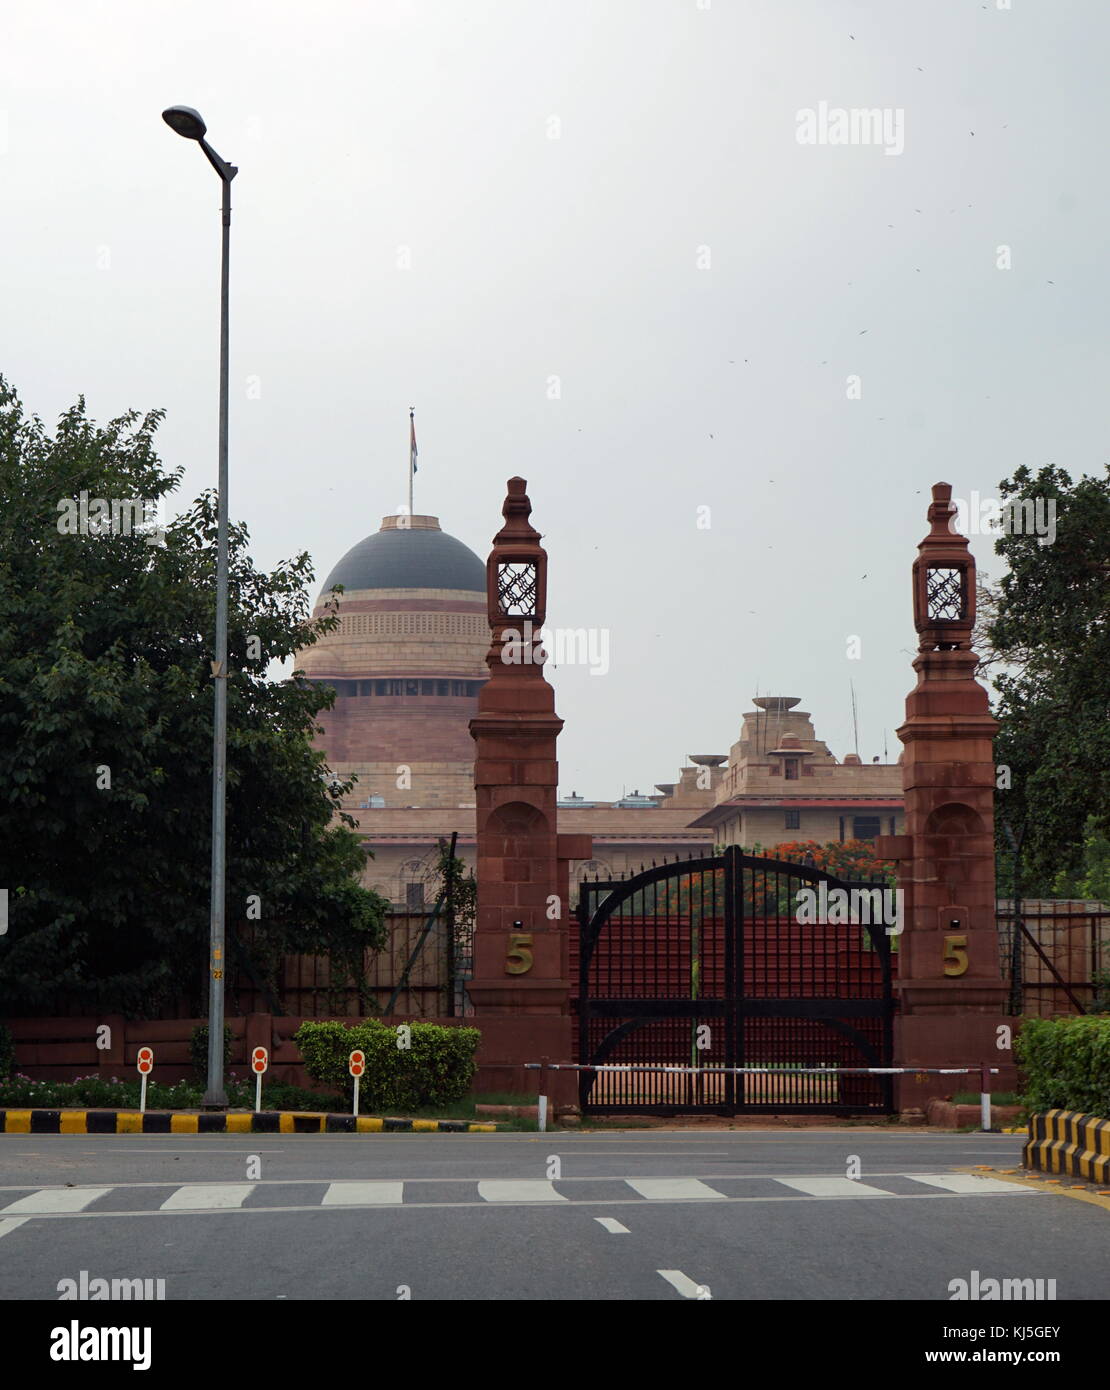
265, 1122
1065, 1141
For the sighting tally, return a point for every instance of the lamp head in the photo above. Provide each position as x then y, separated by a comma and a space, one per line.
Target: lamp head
185, 121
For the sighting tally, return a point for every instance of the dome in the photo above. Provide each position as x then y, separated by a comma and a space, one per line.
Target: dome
416, 555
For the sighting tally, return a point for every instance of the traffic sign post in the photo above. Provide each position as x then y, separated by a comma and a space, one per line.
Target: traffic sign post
356, 1065
260, 1060
145, 1063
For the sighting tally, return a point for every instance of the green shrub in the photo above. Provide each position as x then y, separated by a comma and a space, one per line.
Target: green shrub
1066, 1062
7, 1053
102, 1093
435, 1070
198, 1050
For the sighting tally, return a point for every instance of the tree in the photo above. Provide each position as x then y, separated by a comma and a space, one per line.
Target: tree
1092, 881
1050, 627
106, 735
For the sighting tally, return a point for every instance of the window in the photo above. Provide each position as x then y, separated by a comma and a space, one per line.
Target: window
443, 687
414, 896
412, 687
793, 820
865, 827
790, 769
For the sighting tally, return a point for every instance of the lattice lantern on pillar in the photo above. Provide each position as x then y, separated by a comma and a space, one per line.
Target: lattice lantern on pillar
944, 581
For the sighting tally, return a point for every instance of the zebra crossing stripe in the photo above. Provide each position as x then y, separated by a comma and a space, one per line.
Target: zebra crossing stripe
683, 1283
519, 1190
966, 1183
202, 1196
833, 1187
364, 1194
674, 1190
54, 1199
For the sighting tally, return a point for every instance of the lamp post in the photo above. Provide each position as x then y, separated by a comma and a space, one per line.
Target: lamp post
190, 124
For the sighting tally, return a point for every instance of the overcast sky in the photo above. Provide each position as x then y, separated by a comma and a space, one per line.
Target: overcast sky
450, 203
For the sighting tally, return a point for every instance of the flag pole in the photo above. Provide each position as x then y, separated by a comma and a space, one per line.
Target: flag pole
412, 452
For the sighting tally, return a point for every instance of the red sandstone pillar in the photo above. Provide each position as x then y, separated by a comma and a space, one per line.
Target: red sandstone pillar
949, 971
519, 988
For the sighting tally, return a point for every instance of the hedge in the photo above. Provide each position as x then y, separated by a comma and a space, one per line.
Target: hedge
1066, 1063
435, 1069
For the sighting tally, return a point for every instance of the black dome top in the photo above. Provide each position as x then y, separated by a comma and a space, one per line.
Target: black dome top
420, 556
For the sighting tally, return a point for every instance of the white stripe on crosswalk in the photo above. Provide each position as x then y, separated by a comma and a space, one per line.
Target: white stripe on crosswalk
201, 1196
674, 1189
54, 1199
685, 1285
833, 1187
968, 1182
520, 1190
364, 1194
7, 1226
613, 1227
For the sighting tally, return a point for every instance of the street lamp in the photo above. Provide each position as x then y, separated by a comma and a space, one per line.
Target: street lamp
190, 124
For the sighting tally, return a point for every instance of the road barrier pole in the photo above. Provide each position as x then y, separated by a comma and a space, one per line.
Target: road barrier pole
985, 1096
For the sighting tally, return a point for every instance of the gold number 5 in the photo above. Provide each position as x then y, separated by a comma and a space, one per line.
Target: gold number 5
519, 959
955, 955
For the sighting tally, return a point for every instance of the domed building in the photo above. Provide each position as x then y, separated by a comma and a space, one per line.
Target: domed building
407, 661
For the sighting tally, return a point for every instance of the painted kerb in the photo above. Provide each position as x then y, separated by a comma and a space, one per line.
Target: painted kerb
265, 1122
1065, 1141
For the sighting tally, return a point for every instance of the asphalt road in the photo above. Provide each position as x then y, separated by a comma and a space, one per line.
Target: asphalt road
664, 1215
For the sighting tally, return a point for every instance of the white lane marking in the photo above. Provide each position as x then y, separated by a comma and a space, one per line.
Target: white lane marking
686, 1286
364, 1194
55, 1199
968, 1183
833, 1187
613, 1227
521, 1190
6, 1226
202, 1196
558, 1201
674, 1189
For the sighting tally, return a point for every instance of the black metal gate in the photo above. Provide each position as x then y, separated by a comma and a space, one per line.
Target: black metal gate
734, 960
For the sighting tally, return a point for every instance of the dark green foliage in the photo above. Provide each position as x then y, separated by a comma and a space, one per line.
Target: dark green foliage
105, 648
1066, 1064
198, 1050
1049, 627
437, 1069
101, 1093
